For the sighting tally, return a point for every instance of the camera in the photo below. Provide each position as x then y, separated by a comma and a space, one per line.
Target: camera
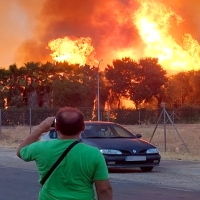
53, 124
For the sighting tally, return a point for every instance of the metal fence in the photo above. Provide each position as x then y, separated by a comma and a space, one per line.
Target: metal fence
30, 116
33, 116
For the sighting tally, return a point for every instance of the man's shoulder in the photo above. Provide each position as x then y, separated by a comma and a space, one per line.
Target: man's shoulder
45, 144
88, 147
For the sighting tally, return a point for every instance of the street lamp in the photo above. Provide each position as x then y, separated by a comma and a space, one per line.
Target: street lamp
98, 91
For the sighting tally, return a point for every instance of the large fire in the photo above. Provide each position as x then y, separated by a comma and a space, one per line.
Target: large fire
155, 23
74, 51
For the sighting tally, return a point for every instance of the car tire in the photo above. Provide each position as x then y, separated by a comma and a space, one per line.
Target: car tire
146, 169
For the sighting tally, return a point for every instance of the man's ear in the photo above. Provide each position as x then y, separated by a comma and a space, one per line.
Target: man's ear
83, 128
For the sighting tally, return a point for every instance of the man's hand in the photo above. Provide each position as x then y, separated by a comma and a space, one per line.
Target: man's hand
44, 126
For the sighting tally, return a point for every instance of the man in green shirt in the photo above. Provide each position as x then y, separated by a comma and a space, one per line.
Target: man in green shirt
82, 168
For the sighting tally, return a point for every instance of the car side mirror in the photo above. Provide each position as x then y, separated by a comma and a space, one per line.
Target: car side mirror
138, 135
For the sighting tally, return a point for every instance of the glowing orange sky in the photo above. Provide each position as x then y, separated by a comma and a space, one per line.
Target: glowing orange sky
27, 26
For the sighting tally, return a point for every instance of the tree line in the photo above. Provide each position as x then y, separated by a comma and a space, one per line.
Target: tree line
144, 83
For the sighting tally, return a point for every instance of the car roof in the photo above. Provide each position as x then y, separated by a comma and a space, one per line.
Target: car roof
99, 122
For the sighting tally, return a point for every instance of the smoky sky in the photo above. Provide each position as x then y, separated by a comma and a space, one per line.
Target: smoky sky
28, 26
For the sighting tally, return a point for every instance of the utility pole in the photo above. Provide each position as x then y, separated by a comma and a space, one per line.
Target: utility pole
98, 101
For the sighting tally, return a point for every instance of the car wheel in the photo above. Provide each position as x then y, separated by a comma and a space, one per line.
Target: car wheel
146, 169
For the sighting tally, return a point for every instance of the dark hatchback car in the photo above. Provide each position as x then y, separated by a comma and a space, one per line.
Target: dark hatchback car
121, 148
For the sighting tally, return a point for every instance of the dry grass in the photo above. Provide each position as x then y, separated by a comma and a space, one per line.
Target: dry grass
12, 136
182, 140
179, 139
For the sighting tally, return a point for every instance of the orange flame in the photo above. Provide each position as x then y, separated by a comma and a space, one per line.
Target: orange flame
153, 21
74, 51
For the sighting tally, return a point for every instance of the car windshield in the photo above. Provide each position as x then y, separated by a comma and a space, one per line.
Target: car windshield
105, 131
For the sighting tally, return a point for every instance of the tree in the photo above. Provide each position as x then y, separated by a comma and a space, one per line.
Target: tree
11, 88
120, 77
184, 88
149, 82
193, 92
75, 87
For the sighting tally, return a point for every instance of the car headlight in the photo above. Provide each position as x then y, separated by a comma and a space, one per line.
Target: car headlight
153, 150
110, 151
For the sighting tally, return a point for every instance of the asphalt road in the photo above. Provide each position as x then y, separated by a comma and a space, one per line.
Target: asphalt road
21, 184
171, 180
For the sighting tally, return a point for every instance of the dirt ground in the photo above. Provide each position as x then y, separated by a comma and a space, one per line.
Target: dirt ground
178, 141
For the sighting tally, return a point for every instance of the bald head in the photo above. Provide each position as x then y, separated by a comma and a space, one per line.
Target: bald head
69, 121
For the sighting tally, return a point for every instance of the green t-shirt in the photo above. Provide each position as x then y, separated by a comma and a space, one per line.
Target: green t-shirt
75, 175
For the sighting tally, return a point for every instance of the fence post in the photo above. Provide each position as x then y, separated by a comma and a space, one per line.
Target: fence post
0, 123
30, 119
139, 118
23, 118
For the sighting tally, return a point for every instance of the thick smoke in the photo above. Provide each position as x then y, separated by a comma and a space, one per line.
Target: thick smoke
190, 13
109, 23
17, 24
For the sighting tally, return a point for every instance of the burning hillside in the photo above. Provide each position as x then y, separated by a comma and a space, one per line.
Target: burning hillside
83, 31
